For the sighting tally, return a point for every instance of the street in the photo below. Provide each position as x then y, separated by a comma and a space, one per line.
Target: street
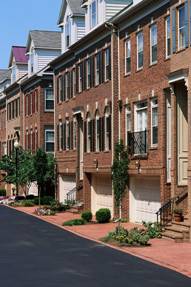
35, 253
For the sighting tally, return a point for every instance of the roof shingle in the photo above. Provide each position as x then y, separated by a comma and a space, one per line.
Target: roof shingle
5, 74
44, 39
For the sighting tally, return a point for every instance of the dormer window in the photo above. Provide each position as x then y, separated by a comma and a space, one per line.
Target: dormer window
68, 32
93, 13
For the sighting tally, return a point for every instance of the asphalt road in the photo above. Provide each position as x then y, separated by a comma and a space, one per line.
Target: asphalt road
34, 253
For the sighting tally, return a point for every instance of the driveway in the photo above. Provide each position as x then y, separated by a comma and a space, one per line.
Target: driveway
36, 253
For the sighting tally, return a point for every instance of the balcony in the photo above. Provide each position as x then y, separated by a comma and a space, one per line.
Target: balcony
137, 143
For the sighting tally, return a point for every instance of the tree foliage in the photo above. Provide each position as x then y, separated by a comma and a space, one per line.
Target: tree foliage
120, 172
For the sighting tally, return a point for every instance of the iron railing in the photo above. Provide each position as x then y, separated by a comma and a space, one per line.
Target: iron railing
71, 195
137, 143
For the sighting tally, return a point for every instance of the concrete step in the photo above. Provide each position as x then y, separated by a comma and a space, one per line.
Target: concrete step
178, 237
177, 228
183, 223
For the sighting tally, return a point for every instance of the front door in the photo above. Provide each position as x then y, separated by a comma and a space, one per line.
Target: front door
182, 134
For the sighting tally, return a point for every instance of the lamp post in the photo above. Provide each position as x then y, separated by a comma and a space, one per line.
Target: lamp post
16, 146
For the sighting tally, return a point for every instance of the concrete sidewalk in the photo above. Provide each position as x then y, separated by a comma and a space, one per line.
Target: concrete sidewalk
164, 252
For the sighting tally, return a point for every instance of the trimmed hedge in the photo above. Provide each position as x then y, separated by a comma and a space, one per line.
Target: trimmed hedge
74, 222
87, 216
103, 215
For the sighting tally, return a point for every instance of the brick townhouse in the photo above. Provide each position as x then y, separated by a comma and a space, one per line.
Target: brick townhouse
124, 79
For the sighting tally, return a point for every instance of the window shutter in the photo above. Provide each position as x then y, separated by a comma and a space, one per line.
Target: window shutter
64, 87
85, 136
92, 64
71, 84
186, 22
92, 135
33, 102
109, 130
102, 133
58, 89
36, 93
174, 30
103, 66
85, 75
100, 67
25, 108
64, 135
71, 135
58, 137
77, 80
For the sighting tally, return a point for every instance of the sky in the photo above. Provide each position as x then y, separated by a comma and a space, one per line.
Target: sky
18, 17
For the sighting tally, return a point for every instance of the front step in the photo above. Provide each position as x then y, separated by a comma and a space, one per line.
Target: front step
179, 231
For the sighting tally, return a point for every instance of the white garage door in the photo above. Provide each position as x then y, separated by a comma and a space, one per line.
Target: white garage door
101, 193
66, 184
144, 199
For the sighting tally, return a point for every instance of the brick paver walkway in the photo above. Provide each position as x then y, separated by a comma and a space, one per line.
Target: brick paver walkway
167, 253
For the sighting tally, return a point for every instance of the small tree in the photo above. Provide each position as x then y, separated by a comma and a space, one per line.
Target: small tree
44, 171
25, 172
120, 174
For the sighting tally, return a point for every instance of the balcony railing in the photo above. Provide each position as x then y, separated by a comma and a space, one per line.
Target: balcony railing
137, 143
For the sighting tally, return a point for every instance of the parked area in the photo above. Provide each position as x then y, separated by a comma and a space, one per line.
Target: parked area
164, 252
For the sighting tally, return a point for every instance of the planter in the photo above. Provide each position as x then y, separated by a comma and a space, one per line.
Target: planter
178, 217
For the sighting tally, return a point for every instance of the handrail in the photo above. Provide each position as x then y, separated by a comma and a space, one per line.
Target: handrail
165, 212
71, 195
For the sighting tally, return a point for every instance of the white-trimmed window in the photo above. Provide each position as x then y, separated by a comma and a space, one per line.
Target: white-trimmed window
140, 127
107, 64
153, 44
98, 132
80, 78
89, 133
128, 122
127, 56
93, 13
140, 44
168, 38
154, 122
68, 32
181, 28
74, 134
67, 135
97, 69
49, 99
67, 86
107, 124
88, 73
49, 140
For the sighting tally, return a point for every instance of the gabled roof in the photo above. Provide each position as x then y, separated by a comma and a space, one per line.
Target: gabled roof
5, 74
50, 40
19, 53
75, 7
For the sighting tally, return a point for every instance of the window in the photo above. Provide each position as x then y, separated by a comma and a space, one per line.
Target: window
98, 132
93, 14
168, 39
128, 122
107, 64
88, 73
154, 122
140, 134
89, 133
67, 135
32, 60
181, 27
67, 32
97, 69
153, 44
140, 50
107, 125
49, 99
74, 134
49, 140
80, 78
127, 56
67, 86
60, 87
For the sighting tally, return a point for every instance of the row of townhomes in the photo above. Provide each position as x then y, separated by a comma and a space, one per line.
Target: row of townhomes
118, 69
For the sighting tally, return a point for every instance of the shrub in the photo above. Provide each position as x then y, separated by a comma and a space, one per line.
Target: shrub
2, 192
74, 222
154, 230
46, 200
133, 237
57, 206
27, 203
103, 215
87, 216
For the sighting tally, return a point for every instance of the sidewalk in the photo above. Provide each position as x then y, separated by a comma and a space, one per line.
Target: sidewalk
164, 252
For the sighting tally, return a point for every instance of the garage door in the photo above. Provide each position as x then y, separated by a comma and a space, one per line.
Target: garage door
66, 184
144, 199
101, 193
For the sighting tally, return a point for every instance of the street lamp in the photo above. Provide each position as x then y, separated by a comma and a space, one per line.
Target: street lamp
16, 146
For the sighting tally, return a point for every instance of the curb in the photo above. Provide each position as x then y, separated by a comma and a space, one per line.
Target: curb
147, 258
